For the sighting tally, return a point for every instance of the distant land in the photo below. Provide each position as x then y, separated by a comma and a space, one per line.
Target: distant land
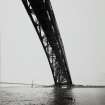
89, 86
38, 85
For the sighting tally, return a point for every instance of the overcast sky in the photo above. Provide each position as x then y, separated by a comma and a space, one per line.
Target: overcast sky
82, 27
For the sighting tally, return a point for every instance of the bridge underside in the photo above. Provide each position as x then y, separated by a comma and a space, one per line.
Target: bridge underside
43, 19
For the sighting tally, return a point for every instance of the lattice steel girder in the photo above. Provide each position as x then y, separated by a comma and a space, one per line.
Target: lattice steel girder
43, 19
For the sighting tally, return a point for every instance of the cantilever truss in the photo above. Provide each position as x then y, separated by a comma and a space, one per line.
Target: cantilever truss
43, 19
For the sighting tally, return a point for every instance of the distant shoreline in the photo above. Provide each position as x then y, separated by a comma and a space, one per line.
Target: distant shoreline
38, 85
88, 86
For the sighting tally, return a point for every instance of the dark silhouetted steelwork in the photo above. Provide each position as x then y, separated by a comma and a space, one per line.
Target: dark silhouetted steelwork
43, 19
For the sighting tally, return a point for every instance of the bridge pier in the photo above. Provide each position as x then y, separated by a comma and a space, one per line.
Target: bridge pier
43, 19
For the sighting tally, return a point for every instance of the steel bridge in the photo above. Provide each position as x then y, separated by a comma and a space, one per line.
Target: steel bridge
43, 19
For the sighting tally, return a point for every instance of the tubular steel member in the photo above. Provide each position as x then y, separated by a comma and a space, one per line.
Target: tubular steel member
43, 19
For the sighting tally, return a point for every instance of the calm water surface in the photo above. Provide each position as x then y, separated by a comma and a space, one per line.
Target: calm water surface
51, 96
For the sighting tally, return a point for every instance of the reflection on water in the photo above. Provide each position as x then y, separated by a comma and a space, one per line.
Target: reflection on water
51, 96
62, 97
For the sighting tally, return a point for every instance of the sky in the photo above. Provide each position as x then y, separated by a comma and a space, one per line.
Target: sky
81, 24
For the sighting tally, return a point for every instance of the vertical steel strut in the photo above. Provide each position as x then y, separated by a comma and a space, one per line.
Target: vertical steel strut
43, 19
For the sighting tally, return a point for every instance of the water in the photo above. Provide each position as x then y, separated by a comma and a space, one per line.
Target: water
51, 96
